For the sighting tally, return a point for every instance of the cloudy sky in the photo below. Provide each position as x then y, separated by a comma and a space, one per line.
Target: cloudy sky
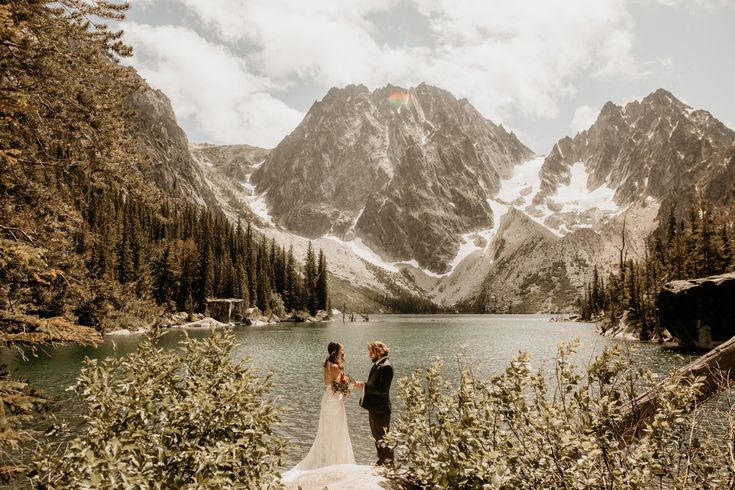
246, 71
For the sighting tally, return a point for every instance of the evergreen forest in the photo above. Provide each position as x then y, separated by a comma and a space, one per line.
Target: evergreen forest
698, 243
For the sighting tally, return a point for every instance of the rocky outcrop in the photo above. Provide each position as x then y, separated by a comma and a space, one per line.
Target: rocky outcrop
230, 310
647, 149
627, 327
168, 164
408, 171
234, 162
206, 322
701, 312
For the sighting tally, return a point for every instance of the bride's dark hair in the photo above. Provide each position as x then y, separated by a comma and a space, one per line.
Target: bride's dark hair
336, 354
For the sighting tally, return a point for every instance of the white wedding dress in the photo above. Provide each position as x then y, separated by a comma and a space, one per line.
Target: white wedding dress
332, 444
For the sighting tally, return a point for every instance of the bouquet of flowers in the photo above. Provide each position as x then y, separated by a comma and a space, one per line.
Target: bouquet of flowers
341, 384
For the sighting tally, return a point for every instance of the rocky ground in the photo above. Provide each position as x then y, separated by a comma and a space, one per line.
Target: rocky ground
253, 316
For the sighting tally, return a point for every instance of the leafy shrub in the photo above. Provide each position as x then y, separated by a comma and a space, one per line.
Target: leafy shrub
166, 419
19, 403
512, 431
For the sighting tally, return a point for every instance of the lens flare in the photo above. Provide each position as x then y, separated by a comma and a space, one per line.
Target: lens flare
398, 98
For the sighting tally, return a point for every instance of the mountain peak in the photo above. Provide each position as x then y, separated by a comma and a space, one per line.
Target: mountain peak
372, 165
608, 109
662, 97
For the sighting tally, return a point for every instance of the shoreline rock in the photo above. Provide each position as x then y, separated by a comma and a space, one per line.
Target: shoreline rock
698, 312
627, 328
624, 329
250, 317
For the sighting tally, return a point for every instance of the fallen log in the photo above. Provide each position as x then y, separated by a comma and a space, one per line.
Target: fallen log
714, 371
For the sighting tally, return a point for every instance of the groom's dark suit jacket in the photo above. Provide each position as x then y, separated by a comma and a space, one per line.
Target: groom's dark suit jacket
376, 394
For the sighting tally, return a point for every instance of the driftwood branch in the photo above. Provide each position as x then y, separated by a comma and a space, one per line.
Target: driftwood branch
11, 229
714, 370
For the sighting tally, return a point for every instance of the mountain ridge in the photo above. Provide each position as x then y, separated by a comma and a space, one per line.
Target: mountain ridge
365, 164
598, 162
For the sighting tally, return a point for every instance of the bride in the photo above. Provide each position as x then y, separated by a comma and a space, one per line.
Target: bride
332, 444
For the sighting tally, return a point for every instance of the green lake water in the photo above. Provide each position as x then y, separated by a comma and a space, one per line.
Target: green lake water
295, 352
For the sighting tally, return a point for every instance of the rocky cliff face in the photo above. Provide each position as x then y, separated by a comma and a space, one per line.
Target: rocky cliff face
421, 178
169, 164
226, 170
699, 313
233, 162
408, 172
630, 166
647, 149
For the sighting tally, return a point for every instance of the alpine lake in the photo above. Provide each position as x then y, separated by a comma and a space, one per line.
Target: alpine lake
294, 352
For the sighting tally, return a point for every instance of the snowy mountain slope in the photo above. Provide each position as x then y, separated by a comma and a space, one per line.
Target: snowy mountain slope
524, 236
227, 171
647, 149
407, 171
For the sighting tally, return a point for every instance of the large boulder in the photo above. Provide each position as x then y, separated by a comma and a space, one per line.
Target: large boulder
229, 310
699, 312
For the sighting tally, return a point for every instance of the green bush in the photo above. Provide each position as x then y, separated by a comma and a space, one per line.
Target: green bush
513, 431
170, 419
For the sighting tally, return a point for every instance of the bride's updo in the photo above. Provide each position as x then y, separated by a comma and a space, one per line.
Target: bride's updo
336, 354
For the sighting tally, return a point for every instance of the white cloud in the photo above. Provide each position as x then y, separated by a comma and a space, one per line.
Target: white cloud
330, 43
210, 86
505, 56
695, 5
584, 117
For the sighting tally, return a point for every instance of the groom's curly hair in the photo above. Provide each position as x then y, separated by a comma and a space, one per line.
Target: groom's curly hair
379, 347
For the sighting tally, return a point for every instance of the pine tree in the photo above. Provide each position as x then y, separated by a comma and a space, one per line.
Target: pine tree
289, 281
206, 277
322, 287
252, 256
245, 281
725, 249
262, 283
310, 271
163, 277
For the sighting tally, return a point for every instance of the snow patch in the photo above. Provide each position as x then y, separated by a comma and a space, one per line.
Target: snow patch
364, 252
571, 201
256, 202
575, 197
258, 206
518, 192
467, 247
415, 264
523, 184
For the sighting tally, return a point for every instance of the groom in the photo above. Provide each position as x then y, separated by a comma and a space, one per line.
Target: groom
376, 397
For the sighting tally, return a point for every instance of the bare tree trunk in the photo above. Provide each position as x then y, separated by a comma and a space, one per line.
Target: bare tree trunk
715, 369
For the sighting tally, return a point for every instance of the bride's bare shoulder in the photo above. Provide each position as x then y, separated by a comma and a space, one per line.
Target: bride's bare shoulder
332, 369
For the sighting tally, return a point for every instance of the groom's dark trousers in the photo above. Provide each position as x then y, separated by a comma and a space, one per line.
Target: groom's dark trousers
376, 400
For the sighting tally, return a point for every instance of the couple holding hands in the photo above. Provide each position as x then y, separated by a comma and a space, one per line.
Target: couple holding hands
332, 444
